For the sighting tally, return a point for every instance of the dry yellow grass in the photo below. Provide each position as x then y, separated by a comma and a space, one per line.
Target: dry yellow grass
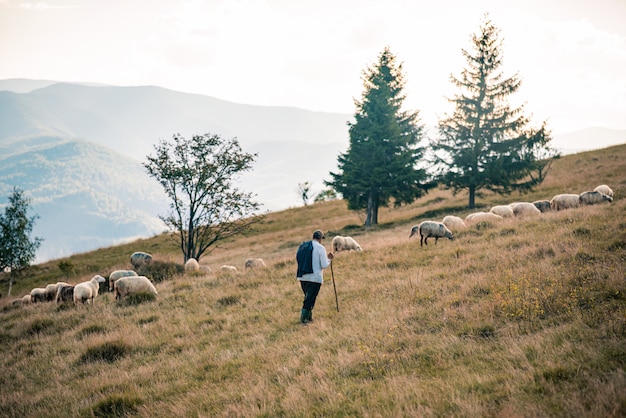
523, 318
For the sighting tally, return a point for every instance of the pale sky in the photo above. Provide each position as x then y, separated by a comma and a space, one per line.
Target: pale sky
570, 54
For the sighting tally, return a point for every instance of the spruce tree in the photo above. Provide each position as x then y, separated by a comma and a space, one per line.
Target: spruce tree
380, 164
486, 143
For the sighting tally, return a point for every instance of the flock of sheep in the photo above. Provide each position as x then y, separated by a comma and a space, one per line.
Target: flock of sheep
127, 282
122, 282
443, 229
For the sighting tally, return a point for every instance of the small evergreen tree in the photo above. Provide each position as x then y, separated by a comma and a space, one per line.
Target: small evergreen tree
381, 163
198, 175
486, 144
303, 190
17, 249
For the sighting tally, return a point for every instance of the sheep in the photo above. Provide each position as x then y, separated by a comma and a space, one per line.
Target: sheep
340, 243
228, 269
65, 293
138, 259
505, 211
132, 286
254, 263
524, 209
205, 269
591, 198
38, 294
542, 205
118, 274
478, 217
51, 291
26, 298
565, 201
88, 291
603, 188
453, 222
429, 229
192, 266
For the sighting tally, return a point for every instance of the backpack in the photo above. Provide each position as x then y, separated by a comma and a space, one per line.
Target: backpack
304, 257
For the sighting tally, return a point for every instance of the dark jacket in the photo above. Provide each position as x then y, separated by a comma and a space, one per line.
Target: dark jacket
304, 256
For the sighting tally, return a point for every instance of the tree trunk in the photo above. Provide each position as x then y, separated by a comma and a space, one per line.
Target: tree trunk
375, 213
370, 210
472, 197
10, 283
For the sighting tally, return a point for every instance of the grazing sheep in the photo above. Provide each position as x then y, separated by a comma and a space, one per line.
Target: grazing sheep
478, 217
38, 294
205, 269
26, 299
524, 209
592, 198
505, 211
118, 274
51, 291
138, 259
228, 269
542, 205
603, 188
254, 263
340, 243
87, 291
565, 201
429, 229
453, 222
65, 293
192, 266
132, 286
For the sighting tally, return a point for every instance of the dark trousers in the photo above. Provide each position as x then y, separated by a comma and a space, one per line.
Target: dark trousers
310, 290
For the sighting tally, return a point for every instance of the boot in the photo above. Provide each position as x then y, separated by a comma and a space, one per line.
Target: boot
310, 315
305, 316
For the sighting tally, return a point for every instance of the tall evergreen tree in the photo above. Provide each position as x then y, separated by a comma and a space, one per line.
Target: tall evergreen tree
17, 249
381, 163
487, 144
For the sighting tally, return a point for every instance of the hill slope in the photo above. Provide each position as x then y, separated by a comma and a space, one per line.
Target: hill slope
520, 318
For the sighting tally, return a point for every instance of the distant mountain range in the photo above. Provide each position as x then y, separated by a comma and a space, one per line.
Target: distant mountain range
77, 149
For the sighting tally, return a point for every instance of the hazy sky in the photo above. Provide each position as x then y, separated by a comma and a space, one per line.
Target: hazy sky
570, 54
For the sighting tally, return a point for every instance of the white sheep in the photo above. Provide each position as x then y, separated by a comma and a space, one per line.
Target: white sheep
524, 209
65, 294
228, 269
453, 222
592, 198
133, 285
205, 269
51, 291
603, 188
479, 217
192, 266
38, 294
88, 291
506, 211
138, 259
254, 263
542, 205
26, 298
429, 229
340, 243
118, 274
565, 201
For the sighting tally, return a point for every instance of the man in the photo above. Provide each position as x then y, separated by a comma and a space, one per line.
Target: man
312, 260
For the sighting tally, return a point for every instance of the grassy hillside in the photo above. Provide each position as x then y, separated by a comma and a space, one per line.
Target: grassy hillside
526, 317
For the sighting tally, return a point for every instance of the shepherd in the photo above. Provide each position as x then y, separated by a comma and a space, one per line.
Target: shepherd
312, 259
